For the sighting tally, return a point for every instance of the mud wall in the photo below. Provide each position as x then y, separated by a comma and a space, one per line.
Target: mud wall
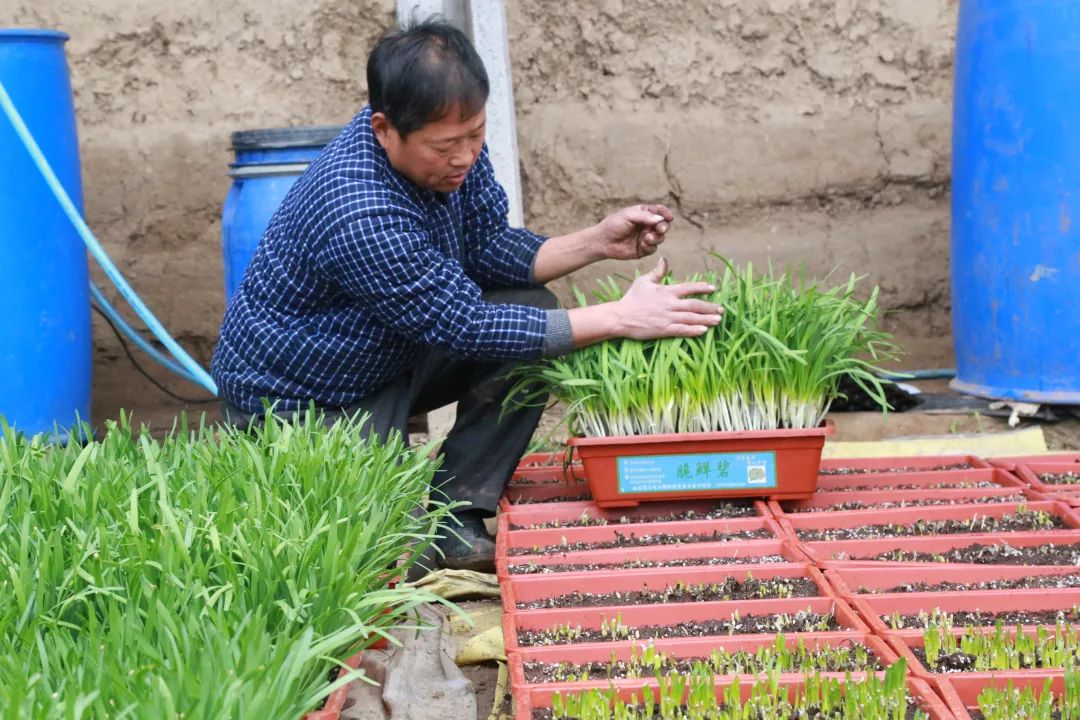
801, 131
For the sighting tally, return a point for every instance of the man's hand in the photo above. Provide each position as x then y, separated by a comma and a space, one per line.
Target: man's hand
648, 310
633, 232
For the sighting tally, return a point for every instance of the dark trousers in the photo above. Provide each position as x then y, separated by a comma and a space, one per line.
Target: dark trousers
486, 443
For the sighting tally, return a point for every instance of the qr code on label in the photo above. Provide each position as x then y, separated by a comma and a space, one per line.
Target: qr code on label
755, 475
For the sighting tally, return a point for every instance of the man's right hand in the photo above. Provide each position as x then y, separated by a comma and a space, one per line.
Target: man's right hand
647, 311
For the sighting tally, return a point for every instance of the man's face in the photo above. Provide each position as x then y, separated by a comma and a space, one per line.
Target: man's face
440, 154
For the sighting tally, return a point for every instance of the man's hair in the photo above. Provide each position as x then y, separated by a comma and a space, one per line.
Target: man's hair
416, 74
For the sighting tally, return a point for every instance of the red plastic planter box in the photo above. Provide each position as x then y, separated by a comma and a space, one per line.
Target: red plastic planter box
1031, 472
849, 582
873, 607
671, 614
525, 495
338, 699
547, 475
930, 480
961, 692
525, 515
779, 464
904, 645
793, 524
748, 550
901, 464
823, 500
539, 696
528, 588
1007, 461
514, 539
853, 553
677, 648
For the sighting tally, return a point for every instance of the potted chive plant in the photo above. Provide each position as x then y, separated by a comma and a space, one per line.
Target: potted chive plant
737, 412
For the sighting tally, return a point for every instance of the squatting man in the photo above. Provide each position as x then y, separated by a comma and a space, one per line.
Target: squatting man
389, 281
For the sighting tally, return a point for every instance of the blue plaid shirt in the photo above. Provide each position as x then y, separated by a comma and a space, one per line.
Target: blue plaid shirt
359, 267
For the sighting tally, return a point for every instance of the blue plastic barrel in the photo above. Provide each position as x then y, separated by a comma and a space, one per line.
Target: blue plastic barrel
45, 342
268, 162
1016, 200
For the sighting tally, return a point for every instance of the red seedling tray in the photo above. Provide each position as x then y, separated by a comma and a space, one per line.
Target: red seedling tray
1007, 461
671, 614
891, 481
539, 696
541, 459
849, 582
331, 710
1030, 472
902, 464
796, 453
676, 648
527, 588
525, 515
512, 539
870, 497
658, 553
524, 495
872, 607
849, 553
547, 475
905, 644
960, 691
907, 516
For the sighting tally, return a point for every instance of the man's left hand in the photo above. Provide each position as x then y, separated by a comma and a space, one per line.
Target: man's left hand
633, 232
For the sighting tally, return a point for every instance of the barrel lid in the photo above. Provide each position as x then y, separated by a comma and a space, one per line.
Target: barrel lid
275, 138
32, 34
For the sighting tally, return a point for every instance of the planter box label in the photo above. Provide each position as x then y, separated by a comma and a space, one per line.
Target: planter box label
704, 471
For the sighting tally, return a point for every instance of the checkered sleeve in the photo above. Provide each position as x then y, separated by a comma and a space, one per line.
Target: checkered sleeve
383, 257
497, 255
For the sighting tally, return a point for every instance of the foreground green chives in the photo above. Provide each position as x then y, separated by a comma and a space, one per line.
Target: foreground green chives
694, 696
216, 574
773, 362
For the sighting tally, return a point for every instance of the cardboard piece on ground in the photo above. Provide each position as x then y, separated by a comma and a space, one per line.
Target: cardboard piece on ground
459, 584
482, 639
1029, 441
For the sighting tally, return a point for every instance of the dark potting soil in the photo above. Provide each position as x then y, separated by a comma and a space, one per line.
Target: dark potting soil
730, 589
1031, 582
719, 511
811, 714
633, 540
536, 569
985, 554
852, 398
1015, 522
875, 471
958, 485
979, 618
890, 505
804, 621
1069, 478
741, 663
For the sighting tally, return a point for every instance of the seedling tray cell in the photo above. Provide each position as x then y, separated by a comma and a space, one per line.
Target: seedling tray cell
627, 470
961, 692
873, 499
849, 553
540, 696
974, 479
640, 616
801, 524
849, 582
526, 588
873, 607
906, 645
547, 475
675, 648
525, 516
735, 555
525, 495
899, 464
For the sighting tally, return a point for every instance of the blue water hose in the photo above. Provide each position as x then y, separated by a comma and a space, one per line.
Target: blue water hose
191, 370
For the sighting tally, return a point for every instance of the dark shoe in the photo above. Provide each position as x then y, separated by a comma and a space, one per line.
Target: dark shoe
468, 547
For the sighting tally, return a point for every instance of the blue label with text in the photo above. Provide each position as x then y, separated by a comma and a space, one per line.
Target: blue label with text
706, 471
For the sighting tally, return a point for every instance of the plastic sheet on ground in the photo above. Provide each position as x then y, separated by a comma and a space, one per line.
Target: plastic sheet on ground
1029, 441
